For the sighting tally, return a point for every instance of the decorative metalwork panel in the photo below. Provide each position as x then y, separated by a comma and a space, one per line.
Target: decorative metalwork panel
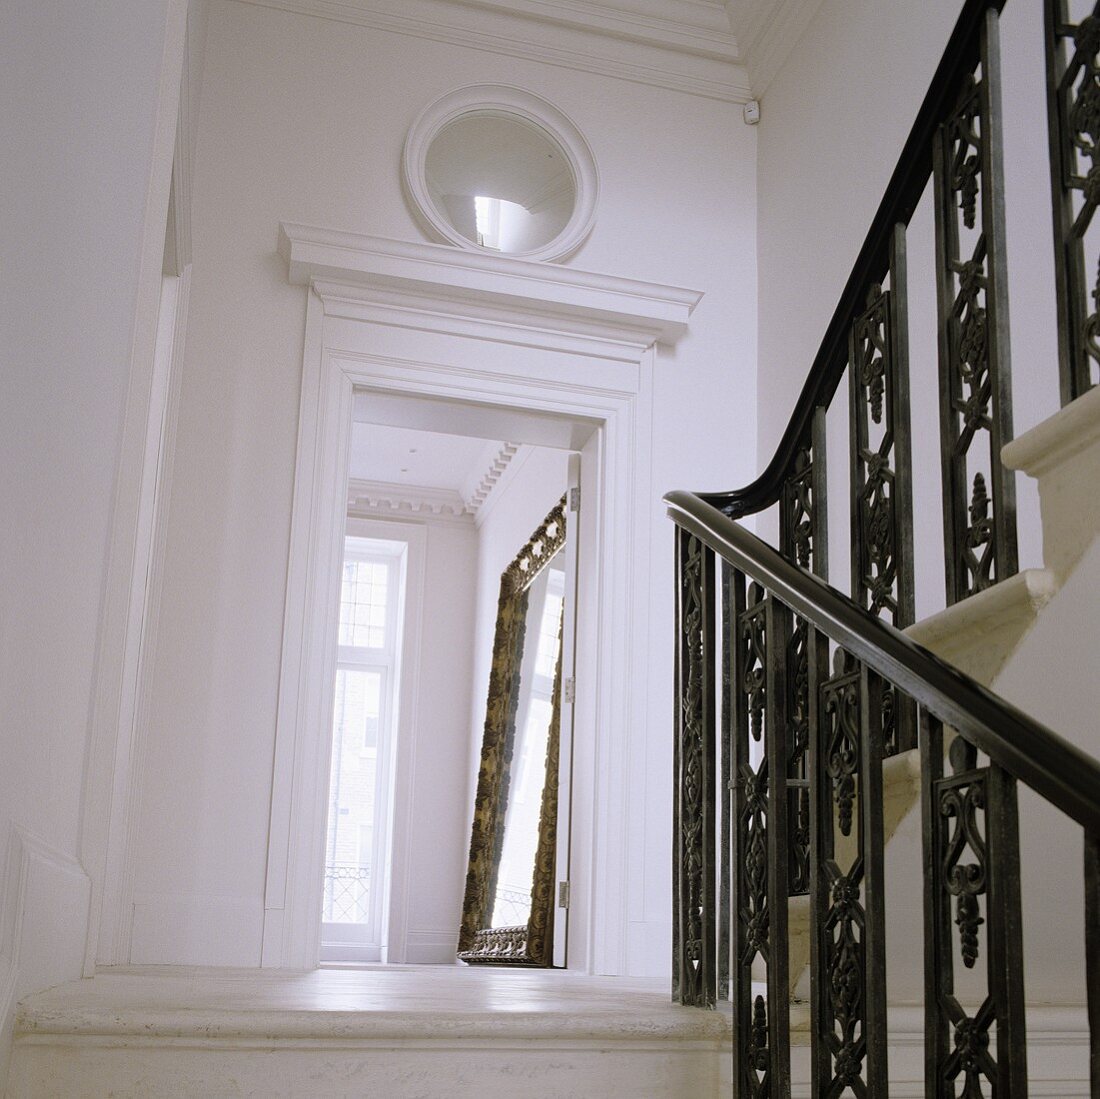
848, 950
972, 923
798, 742
975, 397
796, 536
802, 536
760, 814
882, 510
694, 938
1073, 104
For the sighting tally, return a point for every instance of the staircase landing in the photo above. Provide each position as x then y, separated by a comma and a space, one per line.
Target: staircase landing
387, 1031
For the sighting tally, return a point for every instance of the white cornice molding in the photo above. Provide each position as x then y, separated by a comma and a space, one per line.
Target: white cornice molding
585, 45
393, 500
766, 32
484, 289
687, 27
411, 501
488, 481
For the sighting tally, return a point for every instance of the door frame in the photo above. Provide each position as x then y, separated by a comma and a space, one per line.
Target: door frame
593, 365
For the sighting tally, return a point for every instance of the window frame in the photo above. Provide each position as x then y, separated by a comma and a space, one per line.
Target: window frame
365, 942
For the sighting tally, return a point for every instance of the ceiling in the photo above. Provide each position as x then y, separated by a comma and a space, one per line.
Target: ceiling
423, 459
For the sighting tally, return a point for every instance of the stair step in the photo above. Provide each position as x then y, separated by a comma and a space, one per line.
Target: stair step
399, 1031
1063, 455
979, 634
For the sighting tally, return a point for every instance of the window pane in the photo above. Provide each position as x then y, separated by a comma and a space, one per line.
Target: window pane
352, 794
546, 656
363, 599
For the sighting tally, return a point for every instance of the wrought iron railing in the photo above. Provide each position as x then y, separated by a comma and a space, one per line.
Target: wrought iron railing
807, 684
970, 839
347, 893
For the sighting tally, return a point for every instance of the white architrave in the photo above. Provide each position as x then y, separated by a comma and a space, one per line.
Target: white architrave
590, 348
502, 99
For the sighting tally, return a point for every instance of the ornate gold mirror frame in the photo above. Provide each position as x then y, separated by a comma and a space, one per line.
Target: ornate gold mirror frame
531, 944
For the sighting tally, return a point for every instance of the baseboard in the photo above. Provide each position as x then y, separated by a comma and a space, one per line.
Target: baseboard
43, 923
190, 929
431, 947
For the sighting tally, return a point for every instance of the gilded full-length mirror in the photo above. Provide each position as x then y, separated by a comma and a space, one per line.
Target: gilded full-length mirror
508, 913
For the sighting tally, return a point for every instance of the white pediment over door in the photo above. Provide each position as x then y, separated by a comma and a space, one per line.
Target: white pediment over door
559, 307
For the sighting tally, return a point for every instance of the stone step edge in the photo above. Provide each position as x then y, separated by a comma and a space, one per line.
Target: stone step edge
220, 1025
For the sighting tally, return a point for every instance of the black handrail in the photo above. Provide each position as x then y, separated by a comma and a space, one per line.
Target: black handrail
907, 184
1055, 769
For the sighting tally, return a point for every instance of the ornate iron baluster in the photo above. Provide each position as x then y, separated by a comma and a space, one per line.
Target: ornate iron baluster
1073, 108
1092, 954
727, 737
971, 879
882, 470
975, 394
804, 539
848, 960
761, 1023
694, 964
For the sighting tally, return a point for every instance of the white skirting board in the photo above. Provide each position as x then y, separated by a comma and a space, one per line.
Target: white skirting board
43, 922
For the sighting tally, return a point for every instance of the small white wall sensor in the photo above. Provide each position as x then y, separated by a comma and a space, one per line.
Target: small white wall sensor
752, 112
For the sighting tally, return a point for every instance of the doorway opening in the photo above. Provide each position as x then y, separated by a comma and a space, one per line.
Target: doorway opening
433, 516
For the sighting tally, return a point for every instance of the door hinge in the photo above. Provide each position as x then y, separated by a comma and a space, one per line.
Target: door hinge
569, 691
563, 894
575, 498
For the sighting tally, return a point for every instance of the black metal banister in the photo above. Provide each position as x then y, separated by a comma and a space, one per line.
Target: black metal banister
1054, 768
903, 193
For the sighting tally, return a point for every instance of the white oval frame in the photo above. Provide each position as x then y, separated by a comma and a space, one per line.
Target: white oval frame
516, 103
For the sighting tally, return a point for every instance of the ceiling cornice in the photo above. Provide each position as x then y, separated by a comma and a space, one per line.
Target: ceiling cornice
411, 501
766, 32
687, 27
394, 500
491, 476
571, 34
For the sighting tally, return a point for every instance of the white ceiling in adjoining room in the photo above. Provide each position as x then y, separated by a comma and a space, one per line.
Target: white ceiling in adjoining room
425, 459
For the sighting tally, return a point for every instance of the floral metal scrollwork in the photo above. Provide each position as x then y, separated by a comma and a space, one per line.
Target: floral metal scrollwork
974, 408
692, 792
1074, 107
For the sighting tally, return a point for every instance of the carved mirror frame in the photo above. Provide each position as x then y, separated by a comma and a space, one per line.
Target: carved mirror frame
531, 944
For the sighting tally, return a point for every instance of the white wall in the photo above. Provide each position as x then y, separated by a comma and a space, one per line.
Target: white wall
85, 184
304, 120
833, 124
435, 870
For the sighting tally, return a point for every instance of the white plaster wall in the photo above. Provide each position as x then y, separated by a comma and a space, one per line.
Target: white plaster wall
80, 87
304, 120
436, 868
833, 124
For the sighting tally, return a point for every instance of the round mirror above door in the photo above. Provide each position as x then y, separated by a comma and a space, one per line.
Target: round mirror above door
495, 169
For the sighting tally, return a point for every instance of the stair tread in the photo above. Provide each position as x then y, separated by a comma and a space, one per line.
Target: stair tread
382, 1002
